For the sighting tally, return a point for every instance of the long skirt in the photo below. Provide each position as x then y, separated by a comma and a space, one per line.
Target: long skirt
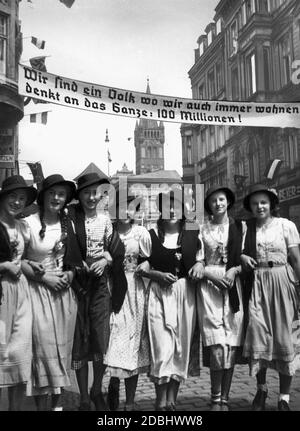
54, 317
15, 332
171, 321
221, 329
273, 313
128, 351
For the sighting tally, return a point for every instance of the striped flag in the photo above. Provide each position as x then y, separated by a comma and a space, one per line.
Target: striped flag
68, 3
40, 118
38, 63
272, 169
40, 44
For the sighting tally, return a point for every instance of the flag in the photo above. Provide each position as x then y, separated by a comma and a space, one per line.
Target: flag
37, 172
40, 44
129, 139
41, 117
108, 157
272, 169
38, 101
38, 63
68, 3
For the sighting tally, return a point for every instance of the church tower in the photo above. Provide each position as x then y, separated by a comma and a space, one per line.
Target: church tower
149, 139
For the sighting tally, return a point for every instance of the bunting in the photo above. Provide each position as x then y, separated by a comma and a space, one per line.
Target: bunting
38, 63
68, 3
40, 118
40, 44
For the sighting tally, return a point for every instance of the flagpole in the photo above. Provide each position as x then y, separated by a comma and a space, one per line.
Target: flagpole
37, 56
108, 156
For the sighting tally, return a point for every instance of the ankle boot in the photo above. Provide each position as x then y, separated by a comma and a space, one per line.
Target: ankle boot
259, 401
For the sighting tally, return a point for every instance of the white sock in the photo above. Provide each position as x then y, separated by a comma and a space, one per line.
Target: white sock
263, 387
216, 398
284, 397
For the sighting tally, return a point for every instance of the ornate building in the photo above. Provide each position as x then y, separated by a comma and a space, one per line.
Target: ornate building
149, 139
246, 54
11, 104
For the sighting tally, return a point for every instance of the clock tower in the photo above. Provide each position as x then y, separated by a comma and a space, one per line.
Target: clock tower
149, 139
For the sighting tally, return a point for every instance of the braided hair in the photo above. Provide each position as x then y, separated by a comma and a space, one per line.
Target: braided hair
62, 219
43, 224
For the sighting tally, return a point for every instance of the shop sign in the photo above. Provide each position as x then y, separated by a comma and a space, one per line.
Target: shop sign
290, 192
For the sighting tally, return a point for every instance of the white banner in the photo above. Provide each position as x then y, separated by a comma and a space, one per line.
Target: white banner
110, 100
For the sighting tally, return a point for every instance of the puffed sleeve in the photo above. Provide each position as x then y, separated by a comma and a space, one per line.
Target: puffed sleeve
291, 233
145, 244
25, 230
200, 251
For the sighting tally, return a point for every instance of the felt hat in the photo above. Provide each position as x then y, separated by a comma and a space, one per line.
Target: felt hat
229, 195
56, 180
90, 179
17, 182
260, 188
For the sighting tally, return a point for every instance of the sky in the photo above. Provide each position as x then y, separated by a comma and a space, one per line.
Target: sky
118, 43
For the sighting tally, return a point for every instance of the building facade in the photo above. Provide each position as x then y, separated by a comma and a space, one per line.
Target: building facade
149, 139
246, 54
11, 104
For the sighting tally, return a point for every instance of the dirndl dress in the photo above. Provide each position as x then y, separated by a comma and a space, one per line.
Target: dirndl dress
128, 352
221, 329
54, 314
272, 332
15, 317
171, 317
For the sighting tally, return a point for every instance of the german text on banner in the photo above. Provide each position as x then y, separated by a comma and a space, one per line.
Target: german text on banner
110, 100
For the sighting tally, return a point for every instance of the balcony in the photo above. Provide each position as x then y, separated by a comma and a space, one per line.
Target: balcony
11, 103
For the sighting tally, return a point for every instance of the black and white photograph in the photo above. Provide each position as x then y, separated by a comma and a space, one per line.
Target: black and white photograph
150, 208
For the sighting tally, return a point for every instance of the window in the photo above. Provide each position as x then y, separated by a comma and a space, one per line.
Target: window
143, 152
149, 152
251, 74
201, 48
264, 6
203, 143
201, 92
219, 77
291, 155
235, 84
209, 37
253, 163
219, 26
3, 44
189, 150
220, 136
212, 139
266, 55
233, 38
211, 85
285, 61
248, 9
238, 162
154, 153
